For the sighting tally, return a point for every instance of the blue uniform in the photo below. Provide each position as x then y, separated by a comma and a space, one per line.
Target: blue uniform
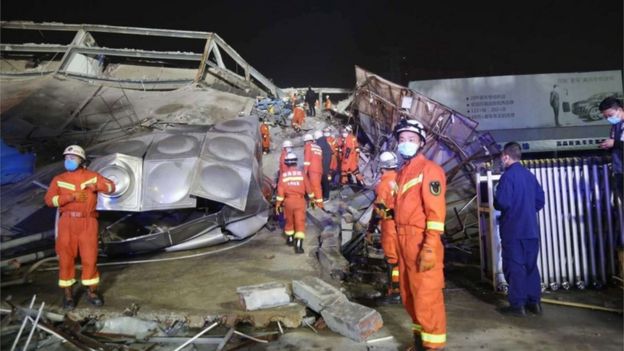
519, 196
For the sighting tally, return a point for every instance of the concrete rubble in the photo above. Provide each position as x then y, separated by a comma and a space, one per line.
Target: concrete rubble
266, 295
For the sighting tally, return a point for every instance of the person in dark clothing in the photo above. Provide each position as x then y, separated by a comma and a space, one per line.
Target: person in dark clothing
611, 109
519, 197
310, 98
554, 103
327, 155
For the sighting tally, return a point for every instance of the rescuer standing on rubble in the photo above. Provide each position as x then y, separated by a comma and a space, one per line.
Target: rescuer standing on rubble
419, 212
310, 97
350, 156
291, 189
298, 117
75, 194
313, 169
328, 103
321, 141
612, 110
385, 194
266, 136
519, 196
333, 164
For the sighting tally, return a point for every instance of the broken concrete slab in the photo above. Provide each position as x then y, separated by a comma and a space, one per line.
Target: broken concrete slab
266, 295
346, 232
332, 262
290, 316
126, 325
320, 218
330, 231
316, 293
332, 243
352, 320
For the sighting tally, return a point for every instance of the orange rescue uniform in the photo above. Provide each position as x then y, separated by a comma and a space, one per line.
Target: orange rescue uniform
419, 213
282, 165
298, 118
77, 225
291, 189
333, 144
313, 170
386, 192
328, 104
266, 137
350, 156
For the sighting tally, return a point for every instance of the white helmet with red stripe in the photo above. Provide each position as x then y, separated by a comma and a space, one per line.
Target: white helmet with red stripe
75, 150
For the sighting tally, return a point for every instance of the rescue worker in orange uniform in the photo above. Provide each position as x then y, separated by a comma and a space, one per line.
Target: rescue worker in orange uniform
385, 194
298, 117
419, 214
333, 144
75, 194
313, 169
350, 156
266, 136
291, 189
328, 103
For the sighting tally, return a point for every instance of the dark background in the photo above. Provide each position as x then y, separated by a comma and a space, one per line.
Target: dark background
300, 43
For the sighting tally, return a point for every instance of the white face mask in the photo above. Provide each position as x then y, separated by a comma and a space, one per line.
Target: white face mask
326, 135
344, 135
408, 149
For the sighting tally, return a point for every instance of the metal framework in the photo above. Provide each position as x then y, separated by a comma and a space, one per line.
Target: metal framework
214, 45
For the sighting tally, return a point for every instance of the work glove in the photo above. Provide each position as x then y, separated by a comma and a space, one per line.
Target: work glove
80, 196
278, 208
426, 259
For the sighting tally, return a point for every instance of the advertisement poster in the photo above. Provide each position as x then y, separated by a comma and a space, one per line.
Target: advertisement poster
527, 101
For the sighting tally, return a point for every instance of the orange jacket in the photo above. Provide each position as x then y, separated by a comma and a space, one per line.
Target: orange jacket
333, 144
298, 116
65, 186
420, 204
266, 136
312, 158
350, 152
328, 104
292, 185
386, 191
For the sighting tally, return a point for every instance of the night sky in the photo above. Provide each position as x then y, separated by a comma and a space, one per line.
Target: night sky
301, 43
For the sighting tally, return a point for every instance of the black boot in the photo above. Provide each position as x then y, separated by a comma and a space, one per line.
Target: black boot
68, 299
299, 246
535, 308
94, 298
290, 240
513, 311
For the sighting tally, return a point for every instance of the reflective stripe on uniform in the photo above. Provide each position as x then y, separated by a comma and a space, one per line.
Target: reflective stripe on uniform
306, 163
292, 179
66, 283
433, 338
433, 225
279, 198
109, 187
299, 235
395, 272
416, 327
62, 184
289, 232
311, 195
411, 183
318, 200
55, 199
93, 281
90, 181
394, 188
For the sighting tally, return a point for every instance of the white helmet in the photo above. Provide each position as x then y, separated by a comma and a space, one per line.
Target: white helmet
388, 160
290, 159
75, 150
318, 134
410, 125
327, 96
307, 137
348, 129
287, 143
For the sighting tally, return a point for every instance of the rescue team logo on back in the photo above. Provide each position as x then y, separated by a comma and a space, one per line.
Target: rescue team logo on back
435, 187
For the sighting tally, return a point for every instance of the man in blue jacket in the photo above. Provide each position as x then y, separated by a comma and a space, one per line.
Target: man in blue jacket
519, 196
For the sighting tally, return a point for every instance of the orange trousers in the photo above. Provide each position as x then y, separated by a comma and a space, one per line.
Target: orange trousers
77, 236
295, 217
421, 292
389, 241
315, 183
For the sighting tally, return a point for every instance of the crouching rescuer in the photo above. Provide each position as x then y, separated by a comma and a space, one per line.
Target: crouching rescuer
291, 189
75, 194
419, 214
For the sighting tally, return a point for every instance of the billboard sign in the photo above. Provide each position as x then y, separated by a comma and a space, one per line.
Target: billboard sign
527, 101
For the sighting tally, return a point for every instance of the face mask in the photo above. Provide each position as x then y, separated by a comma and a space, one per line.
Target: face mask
288, 150
71, 165
613, 119
344, 135
408, 149
326, 135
